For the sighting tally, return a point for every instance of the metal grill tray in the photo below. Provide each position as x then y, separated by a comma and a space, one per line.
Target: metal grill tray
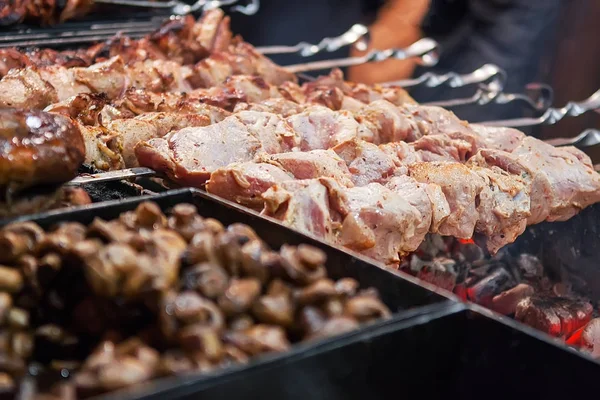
450, 353
405, 297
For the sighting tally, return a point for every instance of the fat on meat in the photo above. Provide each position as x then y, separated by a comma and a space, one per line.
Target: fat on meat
385, 118
131, 131
442, 148
244, 183
562, 181
366, 162
279, 106
431, 120
497, 138
461, 186
380, 223
321, 128
428, 198
190, 155
503, 207
311, 164
305, 205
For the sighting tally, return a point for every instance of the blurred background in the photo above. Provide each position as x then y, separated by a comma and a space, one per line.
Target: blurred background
549, 41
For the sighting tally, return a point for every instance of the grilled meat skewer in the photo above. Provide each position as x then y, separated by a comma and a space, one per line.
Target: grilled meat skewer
48, 12
33, 87
40, 152
500, 176
180, 39
38, 148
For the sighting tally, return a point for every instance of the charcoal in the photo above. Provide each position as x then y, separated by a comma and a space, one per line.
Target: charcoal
590, 338
469, 251
507, 301
489, 286
439, 272
443, 279
432, 246
556, 316
530, 266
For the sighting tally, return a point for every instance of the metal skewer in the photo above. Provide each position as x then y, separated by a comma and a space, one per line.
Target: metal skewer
353, 35
177, 7
425, 50
489, 73
539, 99
553, 115
111, 176
587, 138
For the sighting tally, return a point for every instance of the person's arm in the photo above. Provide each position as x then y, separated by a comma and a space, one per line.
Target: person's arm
397, 25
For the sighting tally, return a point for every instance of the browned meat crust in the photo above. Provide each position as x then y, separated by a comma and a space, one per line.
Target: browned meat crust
38, 148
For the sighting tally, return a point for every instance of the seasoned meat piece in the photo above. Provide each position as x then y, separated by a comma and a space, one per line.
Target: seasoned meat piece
261, 65
380, 223
12, 58
37, 148
462, 188
489, 137
279, 106
104, 77
209, 31
190, 155
87, 108
149, 126
25, 88
212, 71
226, 98
568, 173
402, 154
156, 76
434, 121
427, 198
562, 181
361, 92
366, 162
253, 88
102, 149
138, 101
311, 164
64, 81
322, 128
442, 148
329, 97
387, 120
273, 132
303, 205
503, 206
244, 183
39, 87
239, 59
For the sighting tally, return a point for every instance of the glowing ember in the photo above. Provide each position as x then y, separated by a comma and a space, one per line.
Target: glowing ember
466, 241
575, 339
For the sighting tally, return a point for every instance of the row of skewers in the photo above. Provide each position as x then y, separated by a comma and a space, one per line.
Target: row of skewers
211, 100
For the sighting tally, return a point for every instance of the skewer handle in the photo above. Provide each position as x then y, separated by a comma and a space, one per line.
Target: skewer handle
490, 73
354, 34
111, 176
539, 100
553, 115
